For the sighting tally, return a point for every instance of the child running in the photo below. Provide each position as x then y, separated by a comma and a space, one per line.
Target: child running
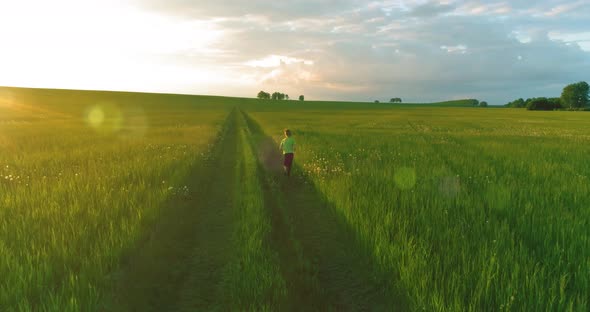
288, 148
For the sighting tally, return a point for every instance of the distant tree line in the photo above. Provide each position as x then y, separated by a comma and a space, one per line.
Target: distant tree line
539, 103
519, 103
573, 97
477, 103
275, 96
471, 102
263, 95
392, 100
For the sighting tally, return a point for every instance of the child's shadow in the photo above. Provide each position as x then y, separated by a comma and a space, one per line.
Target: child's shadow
325, 265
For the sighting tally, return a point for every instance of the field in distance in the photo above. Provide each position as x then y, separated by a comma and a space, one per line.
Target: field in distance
113, 201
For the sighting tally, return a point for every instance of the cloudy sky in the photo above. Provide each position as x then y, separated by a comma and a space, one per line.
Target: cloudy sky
326, 49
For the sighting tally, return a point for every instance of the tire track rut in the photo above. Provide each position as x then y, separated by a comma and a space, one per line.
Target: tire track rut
178, 265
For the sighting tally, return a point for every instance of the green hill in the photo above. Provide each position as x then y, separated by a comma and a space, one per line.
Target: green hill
75, 101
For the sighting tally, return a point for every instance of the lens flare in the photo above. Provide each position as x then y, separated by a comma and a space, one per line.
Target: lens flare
498, 197
105, 118
95, 117
450, 186
136, 123
405, 178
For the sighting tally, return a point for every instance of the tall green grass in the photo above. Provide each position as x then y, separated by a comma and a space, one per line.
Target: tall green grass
463, 209
466, 209
77, 191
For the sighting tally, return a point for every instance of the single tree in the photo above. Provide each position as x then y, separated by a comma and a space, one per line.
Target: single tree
301, 98
575, 95
483, 104
377, 101
287, 97
395, 100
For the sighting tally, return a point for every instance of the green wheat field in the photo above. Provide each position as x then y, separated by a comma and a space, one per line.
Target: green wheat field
113, 201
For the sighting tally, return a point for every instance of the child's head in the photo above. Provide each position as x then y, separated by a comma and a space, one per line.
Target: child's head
287, 132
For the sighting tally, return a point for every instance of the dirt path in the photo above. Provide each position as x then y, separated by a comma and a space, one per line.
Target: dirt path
325, 267
179, 266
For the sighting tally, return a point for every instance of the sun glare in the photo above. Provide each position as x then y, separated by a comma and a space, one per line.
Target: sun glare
6, 99
98, 45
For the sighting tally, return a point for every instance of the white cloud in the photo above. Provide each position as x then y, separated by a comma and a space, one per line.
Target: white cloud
461, 49
521, 36
277, 61
582, 39
565, 7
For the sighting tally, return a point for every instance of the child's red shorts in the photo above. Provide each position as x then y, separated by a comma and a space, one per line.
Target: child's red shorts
288, 159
